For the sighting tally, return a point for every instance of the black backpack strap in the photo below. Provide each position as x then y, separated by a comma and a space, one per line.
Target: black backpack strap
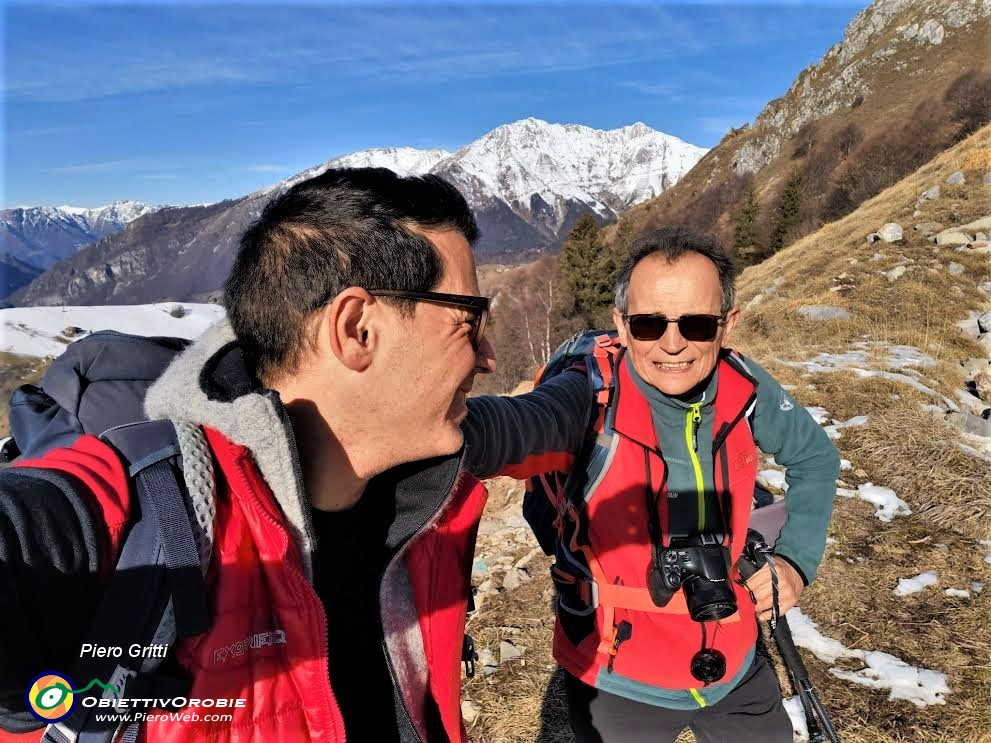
155, 597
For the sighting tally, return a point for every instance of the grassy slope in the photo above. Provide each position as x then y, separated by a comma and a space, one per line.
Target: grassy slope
900, 447
14, 371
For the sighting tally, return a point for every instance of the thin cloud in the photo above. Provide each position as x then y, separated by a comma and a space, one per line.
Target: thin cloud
266, 168
660, 90
314, 45
107, 166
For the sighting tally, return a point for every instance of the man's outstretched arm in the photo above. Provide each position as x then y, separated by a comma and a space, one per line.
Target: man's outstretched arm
55, 549
529, 434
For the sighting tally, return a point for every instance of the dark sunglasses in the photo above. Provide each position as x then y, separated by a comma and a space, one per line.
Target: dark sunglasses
477, 307
691, 327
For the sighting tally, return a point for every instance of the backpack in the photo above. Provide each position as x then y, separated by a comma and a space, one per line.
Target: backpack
156, 594
548, 497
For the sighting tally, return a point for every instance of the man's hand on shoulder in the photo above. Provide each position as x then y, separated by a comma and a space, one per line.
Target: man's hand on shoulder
790, 586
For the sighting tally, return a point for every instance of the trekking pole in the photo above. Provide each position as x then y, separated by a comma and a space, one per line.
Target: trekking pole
820, 728
818, 722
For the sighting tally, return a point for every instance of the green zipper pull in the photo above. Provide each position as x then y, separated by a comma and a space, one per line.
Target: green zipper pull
696, 419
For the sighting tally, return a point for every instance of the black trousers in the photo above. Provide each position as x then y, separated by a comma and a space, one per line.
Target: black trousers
751, 713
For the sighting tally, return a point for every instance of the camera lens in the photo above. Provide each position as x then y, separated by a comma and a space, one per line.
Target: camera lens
708, 666
709, 600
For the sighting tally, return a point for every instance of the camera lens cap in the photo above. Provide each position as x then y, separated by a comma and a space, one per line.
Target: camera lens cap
708, 665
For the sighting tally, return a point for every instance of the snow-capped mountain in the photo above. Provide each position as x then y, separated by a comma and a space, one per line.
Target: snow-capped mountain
546, 175
402, 160
527, 183
42, 236
531, 164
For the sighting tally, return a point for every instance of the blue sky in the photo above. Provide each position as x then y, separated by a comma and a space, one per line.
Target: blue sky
186, 103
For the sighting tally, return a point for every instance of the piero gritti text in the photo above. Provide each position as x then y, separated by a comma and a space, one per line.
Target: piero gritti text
90, 650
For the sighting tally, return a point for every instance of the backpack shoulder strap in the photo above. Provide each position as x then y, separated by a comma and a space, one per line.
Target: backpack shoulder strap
156, 595
551, 496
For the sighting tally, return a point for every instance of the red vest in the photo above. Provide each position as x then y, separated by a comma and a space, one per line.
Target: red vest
267, 643
617, 547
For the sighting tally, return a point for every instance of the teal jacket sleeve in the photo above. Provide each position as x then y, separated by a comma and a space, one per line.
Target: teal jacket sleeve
786, 430
529, 434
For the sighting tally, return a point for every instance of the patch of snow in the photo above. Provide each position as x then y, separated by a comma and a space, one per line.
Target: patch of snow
907, 586
977, 586
819, 415
845, 464
772, 478
888, 504
833, 431
35, 331
920, 686
796, 713
957, 593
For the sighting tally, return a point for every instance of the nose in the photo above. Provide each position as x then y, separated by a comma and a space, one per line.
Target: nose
672, 341
485, 358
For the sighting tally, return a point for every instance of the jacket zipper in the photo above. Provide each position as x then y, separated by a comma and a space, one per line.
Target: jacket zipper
297, 468
397, 555
337, 720
692, 420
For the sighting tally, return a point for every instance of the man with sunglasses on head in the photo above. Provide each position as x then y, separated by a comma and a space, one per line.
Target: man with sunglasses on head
653, 631
328, 407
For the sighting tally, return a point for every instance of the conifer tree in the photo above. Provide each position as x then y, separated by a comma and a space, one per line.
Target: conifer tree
624, 239
788, 209
587, 270
746, 242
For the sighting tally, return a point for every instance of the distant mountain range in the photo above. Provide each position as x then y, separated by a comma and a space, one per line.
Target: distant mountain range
527, 182
33, 239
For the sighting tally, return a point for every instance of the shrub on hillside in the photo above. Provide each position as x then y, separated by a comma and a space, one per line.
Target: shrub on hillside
886, 157
969, 101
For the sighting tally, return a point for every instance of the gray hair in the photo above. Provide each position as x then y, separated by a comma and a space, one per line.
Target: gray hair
672, 243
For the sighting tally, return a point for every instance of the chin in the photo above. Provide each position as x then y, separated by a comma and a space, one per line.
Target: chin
450, 441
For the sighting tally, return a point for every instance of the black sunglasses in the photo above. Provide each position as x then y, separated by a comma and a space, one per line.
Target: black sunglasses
477, 307
691, 327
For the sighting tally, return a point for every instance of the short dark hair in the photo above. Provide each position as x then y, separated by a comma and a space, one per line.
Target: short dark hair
672, 243
344, 227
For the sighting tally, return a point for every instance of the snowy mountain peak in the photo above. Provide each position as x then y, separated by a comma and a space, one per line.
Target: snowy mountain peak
402, 160
540, 173
44, 235
532, 164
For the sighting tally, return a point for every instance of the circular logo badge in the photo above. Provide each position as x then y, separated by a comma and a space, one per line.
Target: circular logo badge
49, 696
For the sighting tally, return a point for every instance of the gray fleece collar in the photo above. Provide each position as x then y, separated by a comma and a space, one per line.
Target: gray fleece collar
255, 420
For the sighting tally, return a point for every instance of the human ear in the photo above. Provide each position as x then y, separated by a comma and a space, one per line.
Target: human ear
349, 328
732, 318
617, 319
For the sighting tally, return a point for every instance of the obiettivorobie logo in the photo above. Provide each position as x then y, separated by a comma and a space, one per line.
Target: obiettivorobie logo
50, 696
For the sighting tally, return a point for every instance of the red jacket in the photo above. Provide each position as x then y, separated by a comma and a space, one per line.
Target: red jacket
267, 643
257, 589
616, 548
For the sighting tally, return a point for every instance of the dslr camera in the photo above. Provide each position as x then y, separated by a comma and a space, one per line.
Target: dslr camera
699, 565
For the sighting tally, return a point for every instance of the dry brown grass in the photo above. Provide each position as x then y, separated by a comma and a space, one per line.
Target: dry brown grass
16, 370
913, 455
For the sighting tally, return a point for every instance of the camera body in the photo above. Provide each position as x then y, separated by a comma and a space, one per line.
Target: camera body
700, 566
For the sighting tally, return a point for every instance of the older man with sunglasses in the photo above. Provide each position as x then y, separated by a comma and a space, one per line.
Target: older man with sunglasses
655, 630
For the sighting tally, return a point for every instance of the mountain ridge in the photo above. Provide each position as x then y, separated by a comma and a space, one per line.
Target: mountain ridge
526, 181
